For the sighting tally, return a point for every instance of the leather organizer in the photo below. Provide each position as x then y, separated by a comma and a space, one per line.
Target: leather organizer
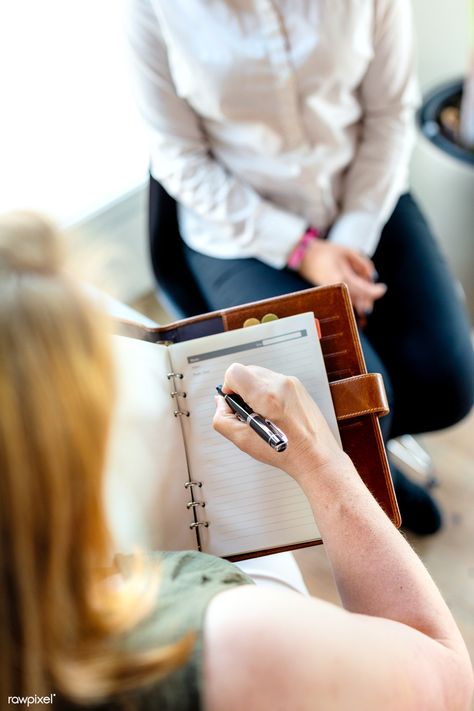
359, 397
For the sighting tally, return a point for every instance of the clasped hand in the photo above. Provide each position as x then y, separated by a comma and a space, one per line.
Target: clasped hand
328, 263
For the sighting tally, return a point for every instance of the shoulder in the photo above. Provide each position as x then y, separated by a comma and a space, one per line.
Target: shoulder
266, 649
255, 647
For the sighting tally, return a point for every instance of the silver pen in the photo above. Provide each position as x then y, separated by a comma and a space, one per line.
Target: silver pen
267, 430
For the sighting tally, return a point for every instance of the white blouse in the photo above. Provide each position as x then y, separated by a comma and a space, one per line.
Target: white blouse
269, 115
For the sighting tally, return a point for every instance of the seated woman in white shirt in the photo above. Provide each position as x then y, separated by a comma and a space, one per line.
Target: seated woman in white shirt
284, 130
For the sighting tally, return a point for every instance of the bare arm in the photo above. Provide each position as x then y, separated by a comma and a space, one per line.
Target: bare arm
396, 629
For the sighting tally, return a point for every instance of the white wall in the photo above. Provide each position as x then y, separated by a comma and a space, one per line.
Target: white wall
71, 139
442, 32
443, 186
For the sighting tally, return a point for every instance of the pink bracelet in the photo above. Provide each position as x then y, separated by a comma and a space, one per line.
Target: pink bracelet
296, 257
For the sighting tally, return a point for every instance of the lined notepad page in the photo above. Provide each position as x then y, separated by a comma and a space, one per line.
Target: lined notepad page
249, 506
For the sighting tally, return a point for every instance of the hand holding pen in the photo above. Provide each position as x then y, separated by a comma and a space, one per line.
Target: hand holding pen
284, 402
265, 428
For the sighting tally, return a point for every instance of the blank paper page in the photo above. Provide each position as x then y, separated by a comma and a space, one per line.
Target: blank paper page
146, 468
249, 506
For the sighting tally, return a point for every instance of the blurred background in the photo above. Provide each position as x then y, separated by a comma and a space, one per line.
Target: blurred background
72, 145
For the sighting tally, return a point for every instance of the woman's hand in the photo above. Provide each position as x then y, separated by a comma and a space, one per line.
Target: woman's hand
285, 401
328, 263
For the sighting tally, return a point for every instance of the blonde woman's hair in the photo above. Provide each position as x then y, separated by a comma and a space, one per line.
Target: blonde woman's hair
59, 620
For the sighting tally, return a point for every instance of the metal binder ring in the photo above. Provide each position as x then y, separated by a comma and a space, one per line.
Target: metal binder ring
192, 483
199, 523
174, 375
193, 504
177, 413
178, 393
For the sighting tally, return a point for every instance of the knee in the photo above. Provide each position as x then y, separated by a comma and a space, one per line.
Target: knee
454, 391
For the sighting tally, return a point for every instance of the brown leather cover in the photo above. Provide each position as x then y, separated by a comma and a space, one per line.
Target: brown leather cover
360, 395
359, 398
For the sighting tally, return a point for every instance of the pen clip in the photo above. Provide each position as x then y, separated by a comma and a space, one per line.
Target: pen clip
270, 432
278, 439
276, 430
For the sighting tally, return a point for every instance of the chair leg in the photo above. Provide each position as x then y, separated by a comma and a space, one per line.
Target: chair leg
409, 456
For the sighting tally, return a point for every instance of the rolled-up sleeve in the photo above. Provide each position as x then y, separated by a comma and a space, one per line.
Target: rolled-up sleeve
182, 161
389, 96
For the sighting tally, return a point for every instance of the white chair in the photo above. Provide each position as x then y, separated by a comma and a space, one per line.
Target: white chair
410, 457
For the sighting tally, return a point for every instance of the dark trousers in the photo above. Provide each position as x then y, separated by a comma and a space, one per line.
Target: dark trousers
418, 335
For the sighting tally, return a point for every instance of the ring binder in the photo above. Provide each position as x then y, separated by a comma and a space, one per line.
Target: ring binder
193, 504
177, 394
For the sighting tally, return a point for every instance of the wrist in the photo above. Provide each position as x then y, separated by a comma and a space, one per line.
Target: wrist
297, 255
322, 471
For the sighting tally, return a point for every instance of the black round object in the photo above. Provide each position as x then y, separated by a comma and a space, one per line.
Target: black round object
428, 119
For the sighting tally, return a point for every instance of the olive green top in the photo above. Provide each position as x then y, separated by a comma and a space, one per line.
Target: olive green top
188, 582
